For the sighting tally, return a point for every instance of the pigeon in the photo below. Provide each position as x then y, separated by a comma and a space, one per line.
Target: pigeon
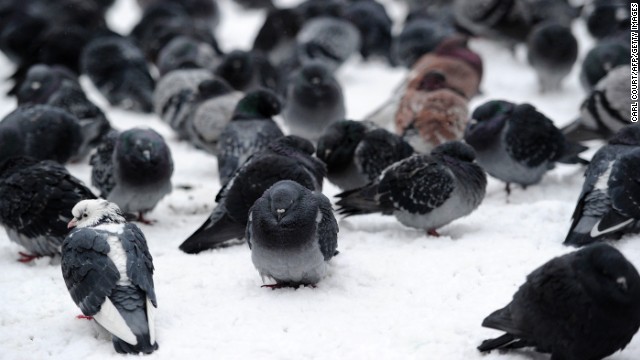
250, 130
328, 40
255, 4
417, 38
40, 131
356, 152
204, 13
423, 191
184, 52
552, 50
292, 233
311, 9
133, 169
600, 60
36, 198
606, 208
606, 110
607, 17
374, 24
213, 109
248, 70
287, 158
579, 306
108, 271
314, 101
59, 87
119, 70
174, 97
276, 38
517, 143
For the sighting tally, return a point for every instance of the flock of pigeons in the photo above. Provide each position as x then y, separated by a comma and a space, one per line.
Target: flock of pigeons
428, 173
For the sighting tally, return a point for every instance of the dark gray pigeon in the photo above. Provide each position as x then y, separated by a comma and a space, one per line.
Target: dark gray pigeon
119, 70
601, 59
374, 25
108, 271
40, 131
213, 109
174, 96
314, 101
36, 198
292, 233
356, 152
423, 191
605, 18
605, 207
287, 158
184, 52
328, 40
248, 70
418, 37
277, 36
606, 110
552, 50
251, 129
584, 305
57, 86
133, 169
517, 143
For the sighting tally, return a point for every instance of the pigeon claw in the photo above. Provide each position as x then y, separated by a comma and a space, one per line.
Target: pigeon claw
142, 219
287, 285
433, 232
85, 317
26, 258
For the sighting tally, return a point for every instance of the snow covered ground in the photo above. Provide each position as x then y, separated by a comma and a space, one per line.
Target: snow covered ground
392, 293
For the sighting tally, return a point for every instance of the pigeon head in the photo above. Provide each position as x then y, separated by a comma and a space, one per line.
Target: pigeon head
487, 121
258, 104
287, 143
41, 82
284, 196
455, 149
338, 143
94, 212
237, 69
141, 151
134, 96
456, 47
607, 275
211, 88
433, 80
184, 52
628, 135
314, 79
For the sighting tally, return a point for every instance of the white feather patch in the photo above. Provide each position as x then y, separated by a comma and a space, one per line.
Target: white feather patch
109, 317
151, 320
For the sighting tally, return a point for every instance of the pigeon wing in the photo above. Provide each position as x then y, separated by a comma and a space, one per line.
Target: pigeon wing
102, 164
327, 227
139, 260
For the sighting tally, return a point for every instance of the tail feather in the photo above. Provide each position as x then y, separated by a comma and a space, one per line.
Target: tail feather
218, 231
132, 303
578, 132
579, 233
497, 343
571, 151
360, 201
144, 346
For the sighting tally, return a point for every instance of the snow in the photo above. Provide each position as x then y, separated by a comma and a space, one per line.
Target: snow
392, 293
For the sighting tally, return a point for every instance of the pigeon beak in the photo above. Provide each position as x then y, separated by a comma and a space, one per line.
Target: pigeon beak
280, 213
622, 282
146, 154
72, 223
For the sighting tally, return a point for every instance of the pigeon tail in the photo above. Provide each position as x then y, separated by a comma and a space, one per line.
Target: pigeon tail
576, 131
361, 201
570, 154
135, 308
506, 341
217, 232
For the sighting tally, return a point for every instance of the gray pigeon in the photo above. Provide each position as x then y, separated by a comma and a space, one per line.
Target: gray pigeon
133, 169
287, 158
40, 131
314, 101
36, 198
119, 70
517, 143
328, 40
584, 305
251, 129
423, 191
184, 52
605, 207
175, 94
57, 86
606, 110
356, 152
292, 233
108, 271
602, 58
552, 50
213, 109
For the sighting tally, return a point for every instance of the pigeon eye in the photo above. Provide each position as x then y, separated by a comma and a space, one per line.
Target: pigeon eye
84, 215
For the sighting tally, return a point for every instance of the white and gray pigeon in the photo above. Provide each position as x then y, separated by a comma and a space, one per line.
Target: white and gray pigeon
314, 101
250, 130
133, 169
517, 143
287, 158
184, 52
57, 86
608, 207
606, 110
356, 152
175, 94
119, 71
213, 110
36, 198
423, 191
108, 271
328, 40
292, 233
41, 131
